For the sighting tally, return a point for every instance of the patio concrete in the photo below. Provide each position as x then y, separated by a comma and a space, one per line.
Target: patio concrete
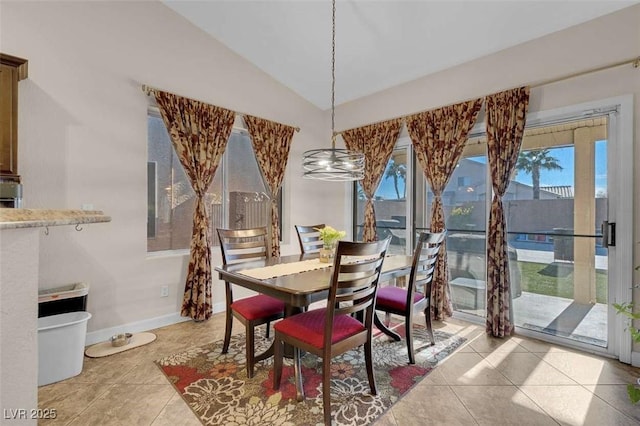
556, 316
562, 317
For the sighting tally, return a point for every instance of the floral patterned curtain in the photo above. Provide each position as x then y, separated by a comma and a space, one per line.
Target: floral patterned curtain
376, 141
199, 133
438, 138
505, 120
271, 144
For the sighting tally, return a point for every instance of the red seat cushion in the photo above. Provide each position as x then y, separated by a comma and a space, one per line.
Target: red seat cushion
394, 298
309, 327
259, 306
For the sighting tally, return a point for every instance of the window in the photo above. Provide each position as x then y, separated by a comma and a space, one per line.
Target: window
237, 197
390, 201
464, 181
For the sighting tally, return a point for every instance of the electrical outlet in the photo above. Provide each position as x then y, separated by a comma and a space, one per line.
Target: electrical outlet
164, 291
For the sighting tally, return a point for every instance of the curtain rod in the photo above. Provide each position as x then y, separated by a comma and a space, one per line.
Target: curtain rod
148, 90
633, 61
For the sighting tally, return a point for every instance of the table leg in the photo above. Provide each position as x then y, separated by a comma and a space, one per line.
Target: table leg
266, 354
288, 349
289, 311
395, 336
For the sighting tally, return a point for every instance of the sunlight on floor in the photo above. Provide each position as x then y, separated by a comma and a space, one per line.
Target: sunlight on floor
509, 381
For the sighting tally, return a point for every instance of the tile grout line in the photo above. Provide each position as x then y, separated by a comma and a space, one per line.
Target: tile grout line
97, 398
538, 355
451, 388
164, 406
463, 404
606, 402
584, 386
517, 387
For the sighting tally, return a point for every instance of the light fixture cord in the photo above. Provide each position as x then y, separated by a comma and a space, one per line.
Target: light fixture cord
333, 77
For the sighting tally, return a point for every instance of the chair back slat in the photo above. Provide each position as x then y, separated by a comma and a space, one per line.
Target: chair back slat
359, 265
423, 266
309, 238
361, 300
354, 282
429, 251
245, 257
243, 245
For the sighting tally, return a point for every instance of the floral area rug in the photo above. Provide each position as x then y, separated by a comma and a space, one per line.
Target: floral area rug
216, 387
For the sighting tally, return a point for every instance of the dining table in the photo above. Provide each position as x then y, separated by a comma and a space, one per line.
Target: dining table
298, 280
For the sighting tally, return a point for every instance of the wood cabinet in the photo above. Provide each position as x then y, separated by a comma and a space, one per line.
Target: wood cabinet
12, 70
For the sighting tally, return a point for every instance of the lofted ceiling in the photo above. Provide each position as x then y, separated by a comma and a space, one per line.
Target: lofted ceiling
379, 43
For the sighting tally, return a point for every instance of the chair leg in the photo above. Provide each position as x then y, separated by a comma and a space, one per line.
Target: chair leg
368, 359
277, 362
297, 371
326, 390
267, 330
250, 350
227, 330
408, 333
427, 316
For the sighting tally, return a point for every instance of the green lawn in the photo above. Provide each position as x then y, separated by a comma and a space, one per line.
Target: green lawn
557, 280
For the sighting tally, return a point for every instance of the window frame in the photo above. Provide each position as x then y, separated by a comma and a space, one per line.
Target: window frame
238, 128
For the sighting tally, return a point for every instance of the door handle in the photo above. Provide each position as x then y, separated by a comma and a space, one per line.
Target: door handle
608, 234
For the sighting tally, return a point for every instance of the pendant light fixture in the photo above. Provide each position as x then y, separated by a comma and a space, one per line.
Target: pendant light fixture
333, 164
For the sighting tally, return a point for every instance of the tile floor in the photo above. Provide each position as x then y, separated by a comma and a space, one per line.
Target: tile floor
515, 381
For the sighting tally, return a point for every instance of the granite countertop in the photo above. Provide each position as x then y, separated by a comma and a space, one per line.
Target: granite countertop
33, 218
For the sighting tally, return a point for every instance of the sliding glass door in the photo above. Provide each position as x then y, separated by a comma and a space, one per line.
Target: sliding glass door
572, 188
555, 205
573, 180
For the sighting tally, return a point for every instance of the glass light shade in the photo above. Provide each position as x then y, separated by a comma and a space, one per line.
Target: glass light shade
333, 165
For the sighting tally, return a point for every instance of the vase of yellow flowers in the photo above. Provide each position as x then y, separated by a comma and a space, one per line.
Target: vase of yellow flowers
329, 237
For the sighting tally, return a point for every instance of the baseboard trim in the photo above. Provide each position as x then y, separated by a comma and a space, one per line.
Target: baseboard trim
219, 307
134, 327
144, 325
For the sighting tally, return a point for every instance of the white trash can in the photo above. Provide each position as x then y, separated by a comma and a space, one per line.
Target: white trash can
61, 340
60, 300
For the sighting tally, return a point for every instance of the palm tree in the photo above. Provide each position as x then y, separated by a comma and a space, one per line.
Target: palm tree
397, 170
531, 162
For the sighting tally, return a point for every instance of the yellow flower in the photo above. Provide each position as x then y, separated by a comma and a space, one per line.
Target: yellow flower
330, 235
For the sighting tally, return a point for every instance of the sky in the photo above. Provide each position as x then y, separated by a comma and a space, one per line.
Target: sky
563, 177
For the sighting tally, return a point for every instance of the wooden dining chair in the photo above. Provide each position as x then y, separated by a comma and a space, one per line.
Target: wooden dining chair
416, 296
243, 245
309, 238
333, 330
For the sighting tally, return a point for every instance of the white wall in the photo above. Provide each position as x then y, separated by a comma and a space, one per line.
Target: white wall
83, 139
596, 43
